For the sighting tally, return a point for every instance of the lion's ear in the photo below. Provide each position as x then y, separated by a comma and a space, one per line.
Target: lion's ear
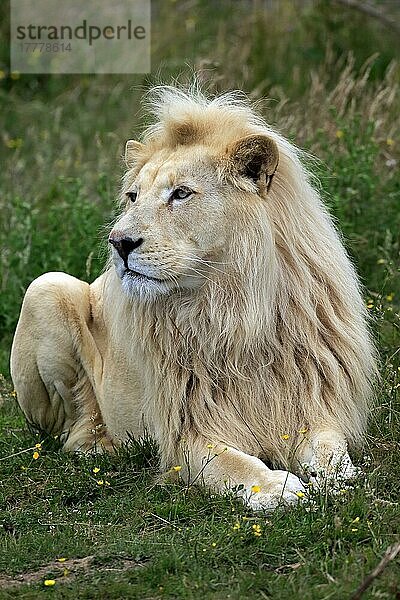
254, 157
132, 149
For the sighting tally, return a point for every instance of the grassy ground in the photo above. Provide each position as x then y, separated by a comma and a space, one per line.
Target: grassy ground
122, 534
149, 541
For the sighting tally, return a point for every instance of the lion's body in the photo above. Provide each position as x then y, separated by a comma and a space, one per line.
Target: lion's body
263, 349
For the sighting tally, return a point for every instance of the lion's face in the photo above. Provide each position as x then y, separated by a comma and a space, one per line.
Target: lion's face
180, 213
175, 224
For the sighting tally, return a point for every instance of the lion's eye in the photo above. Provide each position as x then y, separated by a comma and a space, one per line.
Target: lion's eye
132, 196
181, 193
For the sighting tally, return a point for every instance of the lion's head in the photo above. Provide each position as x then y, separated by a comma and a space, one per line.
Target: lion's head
192, 189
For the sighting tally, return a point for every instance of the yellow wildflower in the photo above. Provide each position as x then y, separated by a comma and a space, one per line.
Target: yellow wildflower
210, 446
339, 134
390, 142
285, 436
390, 297
300, 494
303, 431
256, 529
107, 482
255, 489
61, 559
354, 529
100, 482
38, 446
214, 544
380, 261
356, 520
49, 582
35, 455
13, 394
96, 470
236, 527
177, 468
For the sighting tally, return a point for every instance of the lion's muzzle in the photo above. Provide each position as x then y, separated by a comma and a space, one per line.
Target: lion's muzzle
124, 245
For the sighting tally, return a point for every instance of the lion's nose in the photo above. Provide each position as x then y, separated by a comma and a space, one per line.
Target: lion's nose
125, 246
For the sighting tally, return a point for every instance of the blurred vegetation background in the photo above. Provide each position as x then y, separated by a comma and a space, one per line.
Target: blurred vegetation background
329, 73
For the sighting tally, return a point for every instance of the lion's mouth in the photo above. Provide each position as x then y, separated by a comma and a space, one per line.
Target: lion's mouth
137, 276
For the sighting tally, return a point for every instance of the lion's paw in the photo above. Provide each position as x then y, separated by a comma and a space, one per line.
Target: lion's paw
337, 474
282, 487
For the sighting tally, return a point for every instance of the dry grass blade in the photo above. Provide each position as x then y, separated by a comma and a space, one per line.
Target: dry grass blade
389, 555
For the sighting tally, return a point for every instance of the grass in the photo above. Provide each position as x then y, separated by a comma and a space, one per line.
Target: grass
61, 142
178, 542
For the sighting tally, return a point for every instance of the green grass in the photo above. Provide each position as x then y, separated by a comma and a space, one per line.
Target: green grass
60, 147
181, 543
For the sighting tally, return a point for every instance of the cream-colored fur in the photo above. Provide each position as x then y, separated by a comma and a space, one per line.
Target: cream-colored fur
243, 340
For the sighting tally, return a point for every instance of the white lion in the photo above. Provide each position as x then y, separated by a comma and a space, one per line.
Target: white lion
231, 326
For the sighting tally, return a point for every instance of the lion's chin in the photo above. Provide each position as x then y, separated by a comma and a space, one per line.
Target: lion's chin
141, 286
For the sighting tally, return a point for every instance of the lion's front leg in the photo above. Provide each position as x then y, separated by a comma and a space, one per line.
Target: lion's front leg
54, 362
223, 469
324, 457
